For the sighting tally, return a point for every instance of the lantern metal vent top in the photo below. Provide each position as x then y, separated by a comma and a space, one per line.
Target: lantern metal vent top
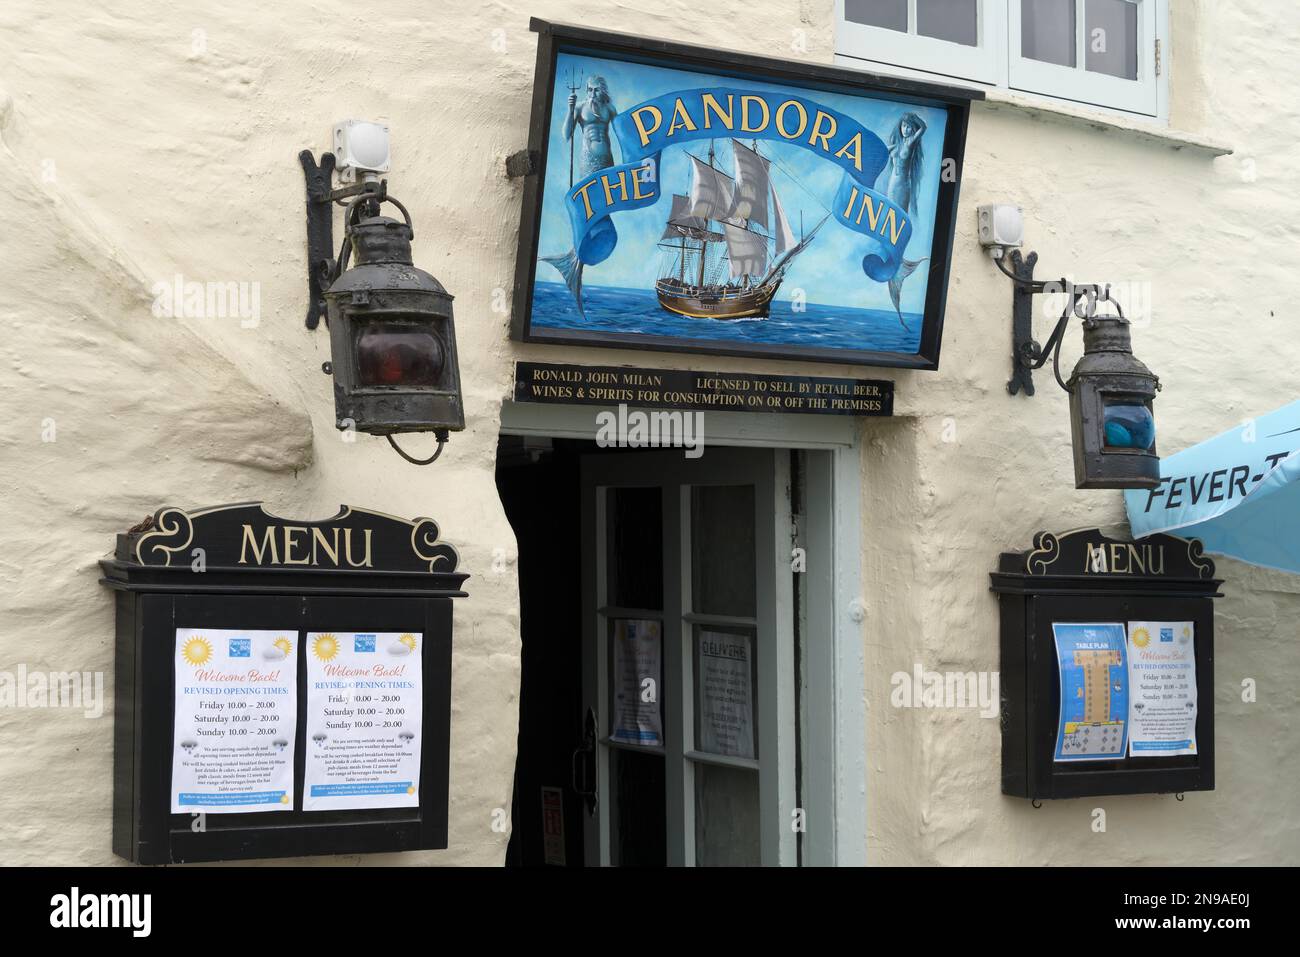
392, 335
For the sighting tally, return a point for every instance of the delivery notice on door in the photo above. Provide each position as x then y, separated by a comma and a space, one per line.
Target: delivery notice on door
1093, 721
364, 720
236, 707
726, 724
1162, 683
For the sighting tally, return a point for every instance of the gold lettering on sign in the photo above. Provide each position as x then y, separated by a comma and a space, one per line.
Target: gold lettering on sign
297, 549
268, 541
1124, 558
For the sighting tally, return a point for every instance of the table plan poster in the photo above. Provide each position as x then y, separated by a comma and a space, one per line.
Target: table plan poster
726, 694
364, 720
1162, 683
638, 661
233, 733
1093, 722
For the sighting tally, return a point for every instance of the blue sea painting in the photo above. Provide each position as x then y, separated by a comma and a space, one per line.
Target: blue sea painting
734, 211
638, 311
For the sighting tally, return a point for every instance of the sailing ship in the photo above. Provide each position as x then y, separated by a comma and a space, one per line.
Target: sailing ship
728, 246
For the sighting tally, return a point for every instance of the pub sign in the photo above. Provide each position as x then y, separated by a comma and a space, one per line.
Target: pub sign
709, 201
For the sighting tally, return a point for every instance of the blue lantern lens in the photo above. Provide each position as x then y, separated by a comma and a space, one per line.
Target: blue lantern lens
1129, 425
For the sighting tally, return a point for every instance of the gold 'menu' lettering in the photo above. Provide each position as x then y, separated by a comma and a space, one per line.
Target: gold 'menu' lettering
347, 549
318, 540
268, 543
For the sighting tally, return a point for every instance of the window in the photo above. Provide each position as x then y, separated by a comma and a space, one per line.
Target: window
1100, 52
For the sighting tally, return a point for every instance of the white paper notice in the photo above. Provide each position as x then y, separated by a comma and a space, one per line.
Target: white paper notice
726, 694
638, 653
364, 720
1162, 688
236, 705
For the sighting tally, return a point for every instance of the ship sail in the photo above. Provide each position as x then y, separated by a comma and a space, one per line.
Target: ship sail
710, 192
785, 240
747, 251
682, 223
753, 183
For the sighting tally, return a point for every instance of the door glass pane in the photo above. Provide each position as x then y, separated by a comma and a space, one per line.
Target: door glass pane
952, 20
636, 558
726, 691
889, 14
1112, 37
638, 829
1047, 31
722, 550
726, 817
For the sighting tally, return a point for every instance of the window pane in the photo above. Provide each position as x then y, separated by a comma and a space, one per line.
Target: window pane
638, 832
636, 557
1112, 37
726, 817
1047, 31
889, 14
952, 20
722, 549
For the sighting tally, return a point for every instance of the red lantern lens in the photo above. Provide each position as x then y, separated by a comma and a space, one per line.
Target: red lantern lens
398, 354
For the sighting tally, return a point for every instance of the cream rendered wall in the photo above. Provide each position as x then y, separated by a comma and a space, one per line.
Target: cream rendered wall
147, 140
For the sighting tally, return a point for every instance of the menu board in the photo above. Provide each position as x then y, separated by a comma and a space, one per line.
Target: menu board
1093, 722
1162, 683
364, 720
233, 733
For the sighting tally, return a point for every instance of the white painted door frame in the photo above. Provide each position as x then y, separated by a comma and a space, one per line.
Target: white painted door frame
834, 792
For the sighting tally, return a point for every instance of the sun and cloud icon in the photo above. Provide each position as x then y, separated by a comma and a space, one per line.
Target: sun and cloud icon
197, 651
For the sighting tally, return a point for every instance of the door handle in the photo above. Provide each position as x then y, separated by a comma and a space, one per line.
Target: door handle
583, 764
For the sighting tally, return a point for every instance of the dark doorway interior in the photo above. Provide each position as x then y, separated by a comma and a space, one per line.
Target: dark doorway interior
539, 485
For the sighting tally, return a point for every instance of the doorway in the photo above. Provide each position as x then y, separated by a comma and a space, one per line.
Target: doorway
678, 703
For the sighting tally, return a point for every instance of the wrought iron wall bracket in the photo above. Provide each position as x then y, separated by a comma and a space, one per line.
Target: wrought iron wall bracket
1026, 353
322, 263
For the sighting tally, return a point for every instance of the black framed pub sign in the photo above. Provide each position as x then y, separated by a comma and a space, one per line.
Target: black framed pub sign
695, 200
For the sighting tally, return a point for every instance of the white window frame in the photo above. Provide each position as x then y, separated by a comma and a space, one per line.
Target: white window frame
997, 62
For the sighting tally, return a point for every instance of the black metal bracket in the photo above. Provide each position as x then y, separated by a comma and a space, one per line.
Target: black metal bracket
322, 263
1026, 354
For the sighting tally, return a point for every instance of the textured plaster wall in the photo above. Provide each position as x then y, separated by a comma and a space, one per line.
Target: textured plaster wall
140, 140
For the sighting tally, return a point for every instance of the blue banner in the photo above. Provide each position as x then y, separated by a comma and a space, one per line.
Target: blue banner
646, 130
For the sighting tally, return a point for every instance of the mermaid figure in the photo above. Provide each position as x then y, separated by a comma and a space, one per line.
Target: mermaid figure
902, 175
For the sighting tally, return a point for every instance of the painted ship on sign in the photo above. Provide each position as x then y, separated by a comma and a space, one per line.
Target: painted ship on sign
728, 242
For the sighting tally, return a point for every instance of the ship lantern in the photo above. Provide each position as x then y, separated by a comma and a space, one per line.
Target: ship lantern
392, 337
1111, 396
